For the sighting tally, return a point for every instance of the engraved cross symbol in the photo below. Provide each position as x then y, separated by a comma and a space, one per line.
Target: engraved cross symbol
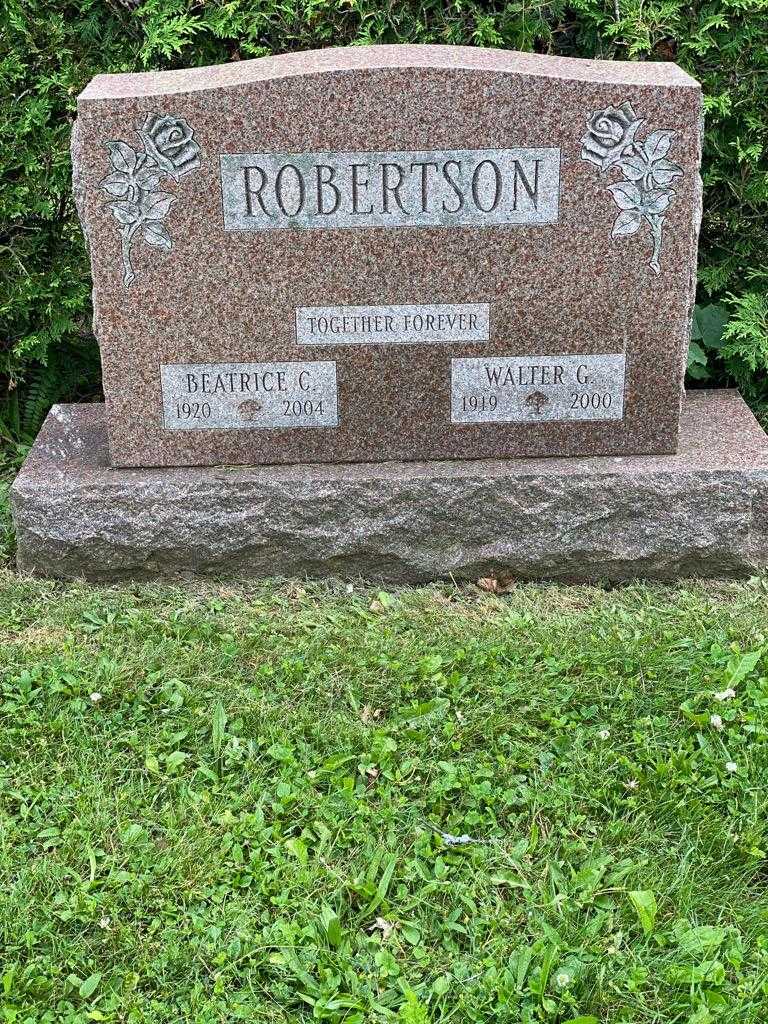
537, 401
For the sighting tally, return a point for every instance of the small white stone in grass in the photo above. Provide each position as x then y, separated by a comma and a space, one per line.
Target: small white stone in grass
716, 722
725, 694
350, 588
604, 734
95, 698
731, 766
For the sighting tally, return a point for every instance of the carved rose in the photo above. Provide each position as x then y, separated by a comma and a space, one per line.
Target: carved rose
134, 179
169, 142
609, 133
642, 194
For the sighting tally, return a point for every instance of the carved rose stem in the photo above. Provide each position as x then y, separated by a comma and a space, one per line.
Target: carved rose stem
126, 237
127, 233
654, 220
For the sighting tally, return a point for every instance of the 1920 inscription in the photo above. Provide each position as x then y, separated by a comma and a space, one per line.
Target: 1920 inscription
537, 388
207, 396
269, 191
394, 325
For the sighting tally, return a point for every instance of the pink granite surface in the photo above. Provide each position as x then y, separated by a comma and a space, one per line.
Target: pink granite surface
230, 297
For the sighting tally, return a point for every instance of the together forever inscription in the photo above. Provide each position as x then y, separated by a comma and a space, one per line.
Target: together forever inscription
399, 325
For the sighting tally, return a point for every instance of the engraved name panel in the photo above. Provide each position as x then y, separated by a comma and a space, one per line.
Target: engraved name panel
392, 325
251, 396
440, 188
537, 388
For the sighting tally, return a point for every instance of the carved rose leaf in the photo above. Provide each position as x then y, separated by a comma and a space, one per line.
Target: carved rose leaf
657, 201
115, 184
634, 167
156, 234
657, 144
148, 178
663, 171
121, 156
627, 223
156, 205
626, 195
125, 212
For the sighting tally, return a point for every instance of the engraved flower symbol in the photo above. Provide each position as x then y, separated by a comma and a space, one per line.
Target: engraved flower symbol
609, 132
537, 400
643, 194
140, 206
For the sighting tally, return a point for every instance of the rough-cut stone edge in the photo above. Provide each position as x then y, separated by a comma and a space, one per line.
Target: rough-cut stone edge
703, 512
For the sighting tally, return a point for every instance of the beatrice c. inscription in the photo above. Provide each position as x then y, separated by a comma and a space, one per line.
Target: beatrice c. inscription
538, 388
205, 396
270, 191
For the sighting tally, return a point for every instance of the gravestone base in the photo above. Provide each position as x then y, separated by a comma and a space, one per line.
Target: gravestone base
702, 512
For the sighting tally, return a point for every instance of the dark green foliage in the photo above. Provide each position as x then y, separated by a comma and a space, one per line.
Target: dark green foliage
49, 51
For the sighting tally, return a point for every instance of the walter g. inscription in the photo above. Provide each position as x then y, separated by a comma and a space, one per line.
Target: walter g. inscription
204, 396
537, 388
269, 191
394, 325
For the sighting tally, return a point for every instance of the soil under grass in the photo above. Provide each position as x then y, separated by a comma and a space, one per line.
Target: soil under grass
289, 802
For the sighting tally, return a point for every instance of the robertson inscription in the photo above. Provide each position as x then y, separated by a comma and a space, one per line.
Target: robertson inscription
253, 396
531, 388
270, 191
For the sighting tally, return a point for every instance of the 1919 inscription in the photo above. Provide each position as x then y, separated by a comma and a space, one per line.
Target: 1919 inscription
206, 396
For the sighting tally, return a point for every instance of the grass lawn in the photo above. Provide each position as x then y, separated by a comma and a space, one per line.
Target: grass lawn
292, 802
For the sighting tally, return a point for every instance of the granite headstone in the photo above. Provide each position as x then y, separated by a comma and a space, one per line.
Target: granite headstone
391, 253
